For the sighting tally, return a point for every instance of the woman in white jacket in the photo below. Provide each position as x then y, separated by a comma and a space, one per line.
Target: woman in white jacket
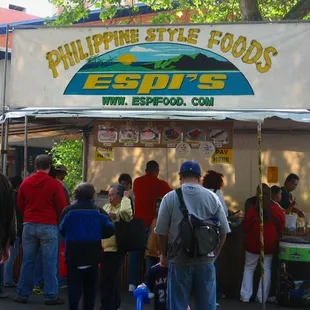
119, 207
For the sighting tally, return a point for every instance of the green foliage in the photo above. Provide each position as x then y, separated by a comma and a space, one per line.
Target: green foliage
201, 11
70, 154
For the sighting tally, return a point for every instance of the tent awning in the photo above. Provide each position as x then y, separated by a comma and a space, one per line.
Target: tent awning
249, 115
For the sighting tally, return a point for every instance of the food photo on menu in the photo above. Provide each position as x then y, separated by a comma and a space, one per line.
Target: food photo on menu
129, 134
195, 134
107, 134
150, 134
172, 134
219, 136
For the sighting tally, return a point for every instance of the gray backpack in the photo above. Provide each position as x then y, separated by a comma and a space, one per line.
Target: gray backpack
198, 237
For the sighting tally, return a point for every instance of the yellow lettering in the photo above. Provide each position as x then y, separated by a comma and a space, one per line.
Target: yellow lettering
151, 36
161, 32
75, 52
176, 81
107, 39
90, 46
98, 81
53, 59
116, 39
248, 58
237, 51
172, 32
153, 82
193, 36
269, 50
124, 37
227, 42
65, 56
181, 37
81, 50
212, 39
212, 81
97, 38
134, 35
126, 81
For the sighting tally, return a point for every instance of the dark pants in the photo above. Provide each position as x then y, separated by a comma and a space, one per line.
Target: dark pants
82, 282
150, 262
111, 266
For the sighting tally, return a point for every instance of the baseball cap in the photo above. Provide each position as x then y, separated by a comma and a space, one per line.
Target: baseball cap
61, 168
190, 166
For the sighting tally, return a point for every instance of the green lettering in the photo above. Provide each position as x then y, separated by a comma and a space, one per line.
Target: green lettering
135, 100
121, 100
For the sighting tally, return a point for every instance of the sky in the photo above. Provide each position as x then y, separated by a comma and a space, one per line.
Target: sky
41, 8
160, 51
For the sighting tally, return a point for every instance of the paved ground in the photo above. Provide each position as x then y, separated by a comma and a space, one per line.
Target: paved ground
36, 303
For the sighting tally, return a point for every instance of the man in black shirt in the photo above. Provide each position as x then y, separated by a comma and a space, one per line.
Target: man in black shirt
287, 202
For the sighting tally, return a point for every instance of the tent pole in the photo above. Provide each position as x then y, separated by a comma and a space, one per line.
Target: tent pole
26, 148
261, 212
85, 153
5, 126
5, 140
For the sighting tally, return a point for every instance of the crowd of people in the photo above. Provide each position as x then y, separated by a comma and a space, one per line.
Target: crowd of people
39, 214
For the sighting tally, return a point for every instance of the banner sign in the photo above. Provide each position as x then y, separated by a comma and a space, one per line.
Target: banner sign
161, 134
190, 67
222, 156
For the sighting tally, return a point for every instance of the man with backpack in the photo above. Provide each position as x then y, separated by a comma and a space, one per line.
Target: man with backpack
192, 228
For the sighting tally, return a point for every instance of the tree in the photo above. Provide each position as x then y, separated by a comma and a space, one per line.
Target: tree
70, 154
200, 10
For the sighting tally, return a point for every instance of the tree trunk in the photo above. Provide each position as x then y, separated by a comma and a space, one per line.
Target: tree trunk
298, 11
250, 10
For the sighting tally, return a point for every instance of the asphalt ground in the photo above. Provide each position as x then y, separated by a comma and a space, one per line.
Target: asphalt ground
128, 303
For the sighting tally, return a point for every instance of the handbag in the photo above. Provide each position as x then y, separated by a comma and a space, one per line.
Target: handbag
199, 237
130, 236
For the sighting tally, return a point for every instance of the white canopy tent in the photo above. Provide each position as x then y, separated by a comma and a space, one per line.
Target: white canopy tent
244, 72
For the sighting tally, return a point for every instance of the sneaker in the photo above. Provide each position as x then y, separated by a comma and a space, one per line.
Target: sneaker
131, 288
37, 291
54, 302
20, 300
63, 286
13, 284
272, 300
4, 295
244, 300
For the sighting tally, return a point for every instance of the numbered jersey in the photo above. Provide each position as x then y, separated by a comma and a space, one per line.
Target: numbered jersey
157, 284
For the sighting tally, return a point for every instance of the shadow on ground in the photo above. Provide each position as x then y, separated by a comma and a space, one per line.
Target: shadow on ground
128, 303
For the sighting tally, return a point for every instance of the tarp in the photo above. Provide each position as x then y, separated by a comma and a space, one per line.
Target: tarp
256, 116
173, 68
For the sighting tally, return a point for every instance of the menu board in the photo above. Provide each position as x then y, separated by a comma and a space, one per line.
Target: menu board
162, 134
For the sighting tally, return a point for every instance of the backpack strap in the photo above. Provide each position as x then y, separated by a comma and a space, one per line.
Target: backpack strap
182, 202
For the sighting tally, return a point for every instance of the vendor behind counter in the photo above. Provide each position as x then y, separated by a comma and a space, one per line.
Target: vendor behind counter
288, 203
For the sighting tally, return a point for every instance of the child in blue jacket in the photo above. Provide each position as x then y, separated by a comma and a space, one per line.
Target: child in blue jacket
83, 226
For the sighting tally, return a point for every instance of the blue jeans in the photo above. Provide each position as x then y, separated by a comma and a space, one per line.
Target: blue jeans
1, 275
1, 278
37, 236
38, 270
135, 263
199, 279
9, 265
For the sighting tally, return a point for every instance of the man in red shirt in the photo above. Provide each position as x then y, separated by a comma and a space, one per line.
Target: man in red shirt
147, 189
41, 200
